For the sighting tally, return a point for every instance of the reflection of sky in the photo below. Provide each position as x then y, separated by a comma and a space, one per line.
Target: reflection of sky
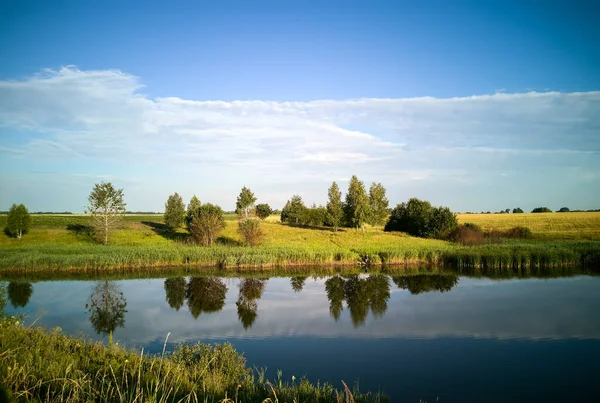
485, 340
533, 308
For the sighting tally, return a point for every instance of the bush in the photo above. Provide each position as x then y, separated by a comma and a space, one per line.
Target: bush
250, 231
519, 232
205, 223
564, 210
263, 210
541, 210
518, 210
420, 218
467, 234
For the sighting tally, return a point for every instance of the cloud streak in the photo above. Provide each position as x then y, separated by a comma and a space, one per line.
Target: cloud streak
101, 123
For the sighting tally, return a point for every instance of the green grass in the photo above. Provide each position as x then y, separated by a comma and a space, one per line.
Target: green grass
57, 242
48, 366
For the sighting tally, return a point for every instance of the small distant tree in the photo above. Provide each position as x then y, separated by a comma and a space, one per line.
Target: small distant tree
541, 210
263, 210
357, 209
507, 211
294, 211
335, 208
174, 212
106, 207
193, 205
518, 210
18, 220
245, 202
564, 210
206, 223
379, 204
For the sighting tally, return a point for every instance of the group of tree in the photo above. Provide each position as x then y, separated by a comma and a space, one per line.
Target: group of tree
358, 209
419, 218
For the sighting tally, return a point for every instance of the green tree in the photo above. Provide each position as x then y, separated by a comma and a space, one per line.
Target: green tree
564, 210
18, 220
294, 211
316, 216
517, 210
335, 208
175, 289
541, 210
19, 293
357, 209
379, 204
263, 210
420, 218
205, 295
193, 205
106, 207
106, 306
245, 202
174, 211
206, 223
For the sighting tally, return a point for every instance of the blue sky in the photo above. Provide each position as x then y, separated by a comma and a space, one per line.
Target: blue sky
471, 104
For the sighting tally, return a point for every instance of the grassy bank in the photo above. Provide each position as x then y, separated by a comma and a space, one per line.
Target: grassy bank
41, 365
63, 243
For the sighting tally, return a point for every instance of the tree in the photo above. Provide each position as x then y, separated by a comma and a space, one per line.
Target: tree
420, 218
263, 210
251, 290
174, 211
564, 210
541, 210
19, 294
335, 210
205, 223
357, 209
518, 210
379, 204
106, 306
316, 216
205, 295
250, 231
106, 206
175, 289
18, 220
245, 202
294, 211
193, 205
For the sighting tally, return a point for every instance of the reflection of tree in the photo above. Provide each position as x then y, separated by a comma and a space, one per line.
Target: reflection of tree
357, 298
426, 283
106, 306
19, 294
175, 292
205, 294
297, 283
378, 287
251, 290
335, 294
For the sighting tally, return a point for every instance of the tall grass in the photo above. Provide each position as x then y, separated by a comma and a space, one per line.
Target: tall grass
48, 366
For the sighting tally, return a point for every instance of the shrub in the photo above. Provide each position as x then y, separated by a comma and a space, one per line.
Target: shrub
518, 210
541, 210
205, 223
467, 234
420, 218
263, 210
564, 210
519, 232
250, 231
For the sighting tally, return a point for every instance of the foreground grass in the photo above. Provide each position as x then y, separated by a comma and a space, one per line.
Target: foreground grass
41, 365
58, 242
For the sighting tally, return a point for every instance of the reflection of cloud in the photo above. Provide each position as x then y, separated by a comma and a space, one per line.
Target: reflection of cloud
532, 309
101, 123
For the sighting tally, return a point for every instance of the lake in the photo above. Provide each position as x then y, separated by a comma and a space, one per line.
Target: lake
418, 338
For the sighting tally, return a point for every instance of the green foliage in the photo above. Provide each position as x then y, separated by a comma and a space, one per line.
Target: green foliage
107, 308
294, 211
174, 211
106, 205
316, 216
541, 210
420, 218
18, 220
175, 289
251, 290
205, 295
193, 205
422, 283
263, 210
518, 210
250, 231
297, 283
245, 202
205, 223
379, 204
335, 208
564, 210
19, 293
357, 208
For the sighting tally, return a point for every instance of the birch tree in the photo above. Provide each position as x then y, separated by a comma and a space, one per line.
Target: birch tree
106, 207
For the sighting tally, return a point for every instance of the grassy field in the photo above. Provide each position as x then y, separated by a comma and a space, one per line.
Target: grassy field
62, 242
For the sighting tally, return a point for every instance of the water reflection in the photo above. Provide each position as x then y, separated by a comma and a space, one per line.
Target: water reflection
426, 283
106, 306
175, 292
19, 294
205, 295
297, 283
251, 290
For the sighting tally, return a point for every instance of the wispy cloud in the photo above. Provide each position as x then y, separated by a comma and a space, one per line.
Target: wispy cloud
103, 124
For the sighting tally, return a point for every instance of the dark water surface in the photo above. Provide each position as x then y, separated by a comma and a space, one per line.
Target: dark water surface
430, 338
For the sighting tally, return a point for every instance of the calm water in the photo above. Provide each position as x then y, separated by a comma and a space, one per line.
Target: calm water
438, 337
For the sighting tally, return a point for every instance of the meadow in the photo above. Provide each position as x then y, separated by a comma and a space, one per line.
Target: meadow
63, 242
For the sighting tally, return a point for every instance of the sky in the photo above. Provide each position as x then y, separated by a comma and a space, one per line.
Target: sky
473, 105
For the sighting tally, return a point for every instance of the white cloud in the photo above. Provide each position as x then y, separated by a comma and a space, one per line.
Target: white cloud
101, 119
